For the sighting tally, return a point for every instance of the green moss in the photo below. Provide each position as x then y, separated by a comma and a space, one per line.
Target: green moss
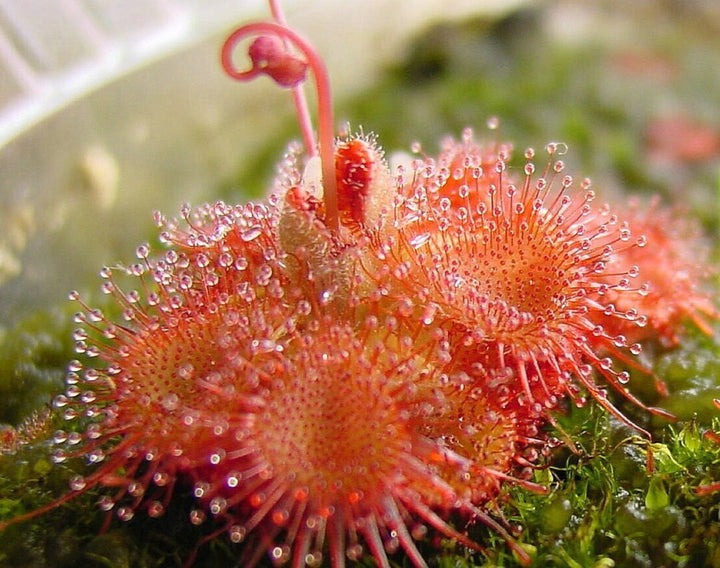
692, 373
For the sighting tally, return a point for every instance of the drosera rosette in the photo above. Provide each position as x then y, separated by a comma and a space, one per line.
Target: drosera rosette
513, 274
135, 402
674, 272
328, 456
293, 410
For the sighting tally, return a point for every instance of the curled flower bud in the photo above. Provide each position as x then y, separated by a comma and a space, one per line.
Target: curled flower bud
270, 56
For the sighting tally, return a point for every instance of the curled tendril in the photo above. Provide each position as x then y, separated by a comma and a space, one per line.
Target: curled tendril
270, 56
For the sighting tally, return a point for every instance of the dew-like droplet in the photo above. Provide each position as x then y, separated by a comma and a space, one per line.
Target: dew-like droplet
251, 234
143, 251
105, 503
77, 483
200, 489
59, 456
280, 554
88, 397
429, 314
237, 533
92, 375
60, 401
135, 489
354, 552
419, 240
419, 531
585, 370
95, 456
70, 414
218, 506
93, 431
217, 456
171, 257
197, 517
161, 479
155, 509
125, 513
225, 260
59, 437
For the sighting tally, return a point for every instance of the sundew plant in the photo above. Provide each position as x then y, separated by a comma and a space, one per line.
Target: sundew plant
418, 348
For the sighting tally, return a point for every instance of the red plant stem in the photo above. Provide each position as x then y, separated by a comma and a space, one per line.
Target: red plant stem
301, 106
324, 100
